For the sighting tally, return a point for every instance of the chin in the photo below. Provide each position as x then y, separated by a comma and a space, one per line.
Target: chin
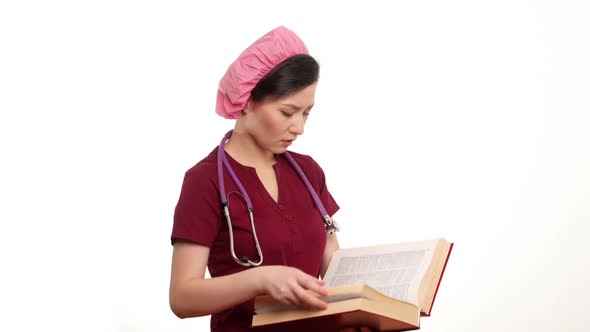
278, 150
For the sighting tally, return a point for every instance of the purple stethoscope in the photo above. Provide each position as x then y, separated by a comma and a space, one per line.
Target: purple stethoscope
331, 225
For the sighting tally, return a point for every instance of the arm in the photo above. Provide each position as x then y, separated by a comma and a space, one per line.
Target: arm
331, 247
192, 295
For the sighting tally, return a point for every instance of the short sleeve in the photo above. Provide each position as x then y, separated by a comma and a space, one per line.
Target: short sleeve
197, 214
325, 195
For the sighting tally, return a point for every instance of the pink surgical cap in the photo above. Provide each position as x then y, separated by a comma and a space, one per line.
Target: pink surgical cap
255, 62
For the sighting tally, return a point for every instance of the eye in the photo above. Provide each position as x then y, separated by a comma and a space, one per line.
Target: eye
287, 114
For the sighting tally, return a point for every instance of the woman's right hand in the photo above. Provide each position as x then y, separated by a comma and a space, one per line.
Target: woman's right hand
289, 285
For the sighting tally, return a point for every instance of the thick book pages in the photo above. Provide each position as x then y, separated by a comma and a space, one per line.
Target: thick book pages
383, 286
428, 311
351, 307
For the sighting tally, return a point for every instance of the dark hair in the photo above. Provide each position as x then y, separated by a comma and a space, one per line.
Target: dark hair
289, 76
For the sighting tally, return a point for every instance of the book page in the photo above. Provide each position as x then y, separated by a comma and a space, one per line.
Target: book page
394, 270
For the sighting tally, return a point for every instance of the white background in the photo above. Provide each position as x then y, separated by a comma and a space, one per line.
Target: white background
463, 119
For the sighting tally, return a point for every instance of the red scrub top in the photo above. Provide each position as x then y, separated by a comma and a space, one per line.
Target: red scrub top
291, 231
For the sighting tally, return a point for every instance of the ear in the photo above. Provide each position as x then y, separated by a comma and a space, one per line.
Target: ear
249, 107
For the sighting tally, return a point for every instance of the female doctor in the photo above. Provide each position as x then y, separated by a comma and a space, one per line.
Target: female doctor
276, 238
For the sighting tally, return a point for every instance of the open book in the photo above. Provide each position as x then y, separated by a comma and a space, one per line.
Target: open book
386, 287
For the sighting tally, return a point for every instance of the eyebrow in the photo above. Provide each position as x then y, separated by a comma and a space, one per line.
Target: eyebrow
295, 107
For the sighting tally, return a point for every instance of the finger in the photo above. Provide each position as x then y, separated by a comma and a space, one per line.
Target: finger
308, 300
291, 298
285, 295
315, 285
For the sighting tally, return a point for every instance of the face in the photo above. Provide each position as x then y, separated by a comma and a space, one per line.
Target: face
274, 125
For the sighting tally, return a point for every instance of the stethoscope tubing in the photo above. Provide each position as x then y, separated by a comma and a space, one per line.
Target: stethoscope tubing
222, 162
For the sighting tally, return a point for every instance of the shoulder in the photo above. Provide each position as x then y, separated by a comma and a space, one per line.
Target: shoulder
309, 166
305, 161
203, 171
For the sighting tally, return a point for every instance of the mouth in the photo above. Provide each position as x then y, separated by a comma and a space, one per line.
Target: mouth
286, 143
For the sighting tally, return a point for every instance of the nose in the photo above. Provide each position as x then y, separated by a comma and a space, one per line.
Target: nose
297, 127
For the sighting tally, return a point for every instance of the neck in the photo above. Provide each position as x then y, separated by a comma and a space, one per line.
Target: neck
245, 150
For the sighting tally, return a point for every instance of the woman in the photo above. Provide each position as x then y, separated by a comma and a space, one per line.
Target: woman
270, 91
